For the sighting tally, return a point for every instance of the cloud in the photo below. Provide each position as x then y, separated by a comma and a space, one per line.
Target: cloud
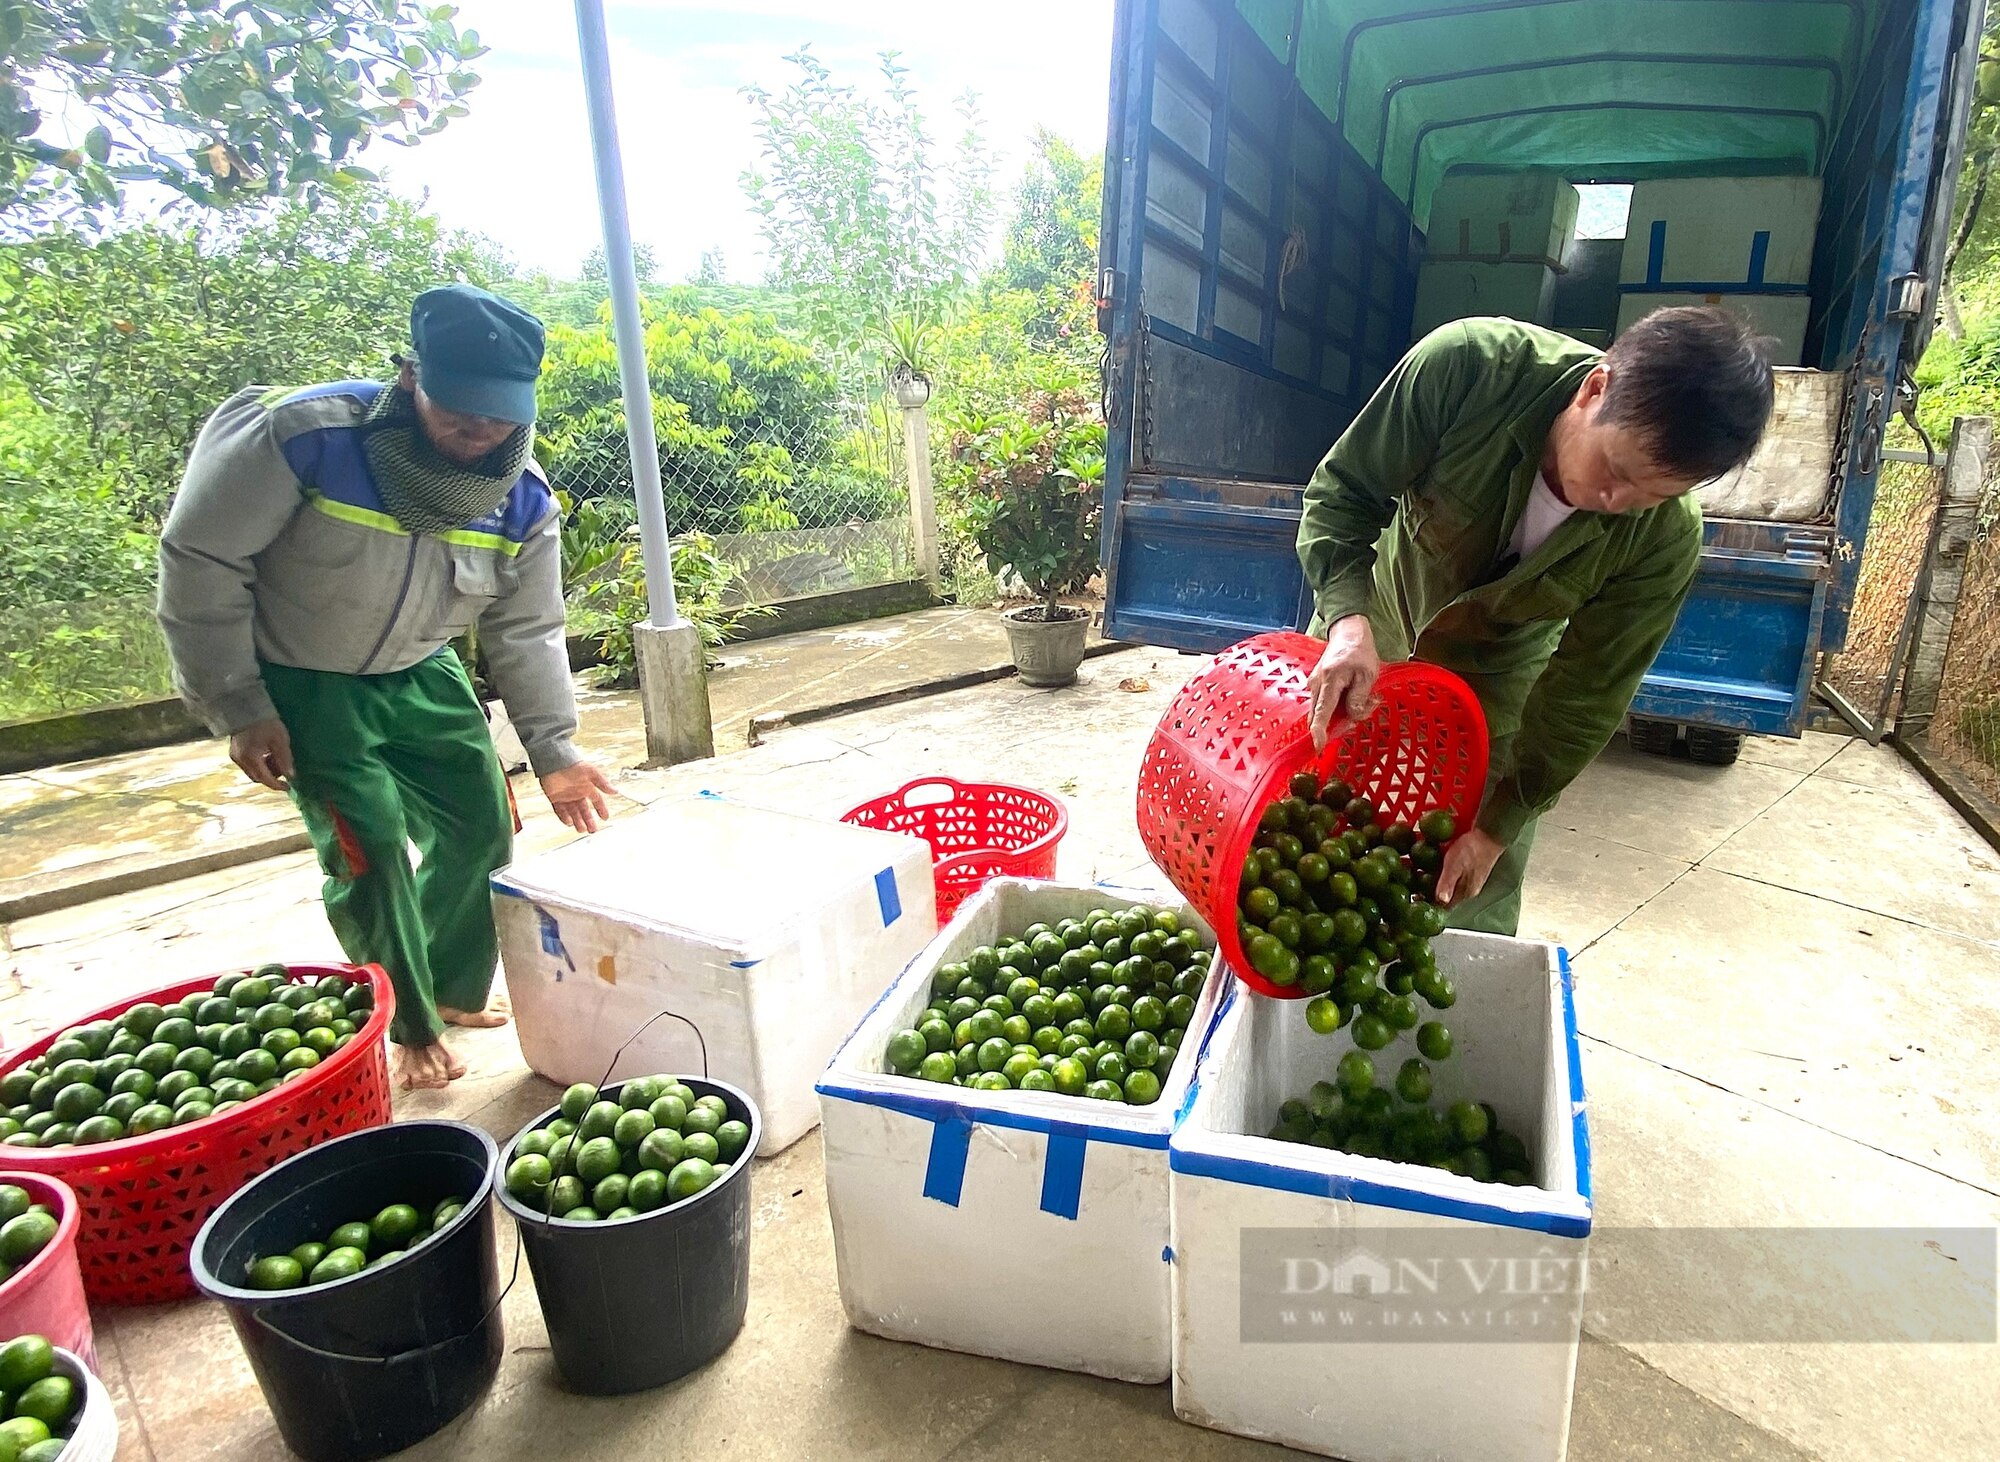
519, 169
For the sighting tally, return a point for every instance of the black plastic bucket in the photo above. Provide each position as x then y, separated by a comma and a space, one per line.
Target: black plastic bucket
374, 1363
638, 1302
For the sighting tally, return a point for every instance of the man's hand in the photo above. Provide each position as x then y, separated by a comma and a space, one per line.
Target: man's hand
577, 794
1344, 680
263, 749
1468, 862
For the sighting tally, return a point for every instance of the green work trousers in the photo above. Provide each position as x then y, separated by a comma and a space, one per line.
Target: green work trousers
1497, 907
382, 762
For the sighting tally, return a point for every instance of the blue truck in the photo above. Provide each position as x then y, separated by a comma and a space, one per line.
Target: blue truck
1269, 176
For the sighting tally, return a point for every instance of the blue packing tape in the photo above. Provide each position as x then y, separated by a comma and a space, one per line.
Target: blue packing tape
1579, 1120
1062, 1169
944, 1173
1379, 1195
934, 1109
886, 895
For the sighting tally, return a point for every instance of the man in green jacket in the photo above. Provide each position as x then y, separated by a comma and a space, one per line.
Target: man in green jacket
1514, 505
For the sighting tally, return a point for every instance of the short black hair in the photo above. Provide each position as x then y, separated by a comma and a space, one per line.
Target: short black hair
1695, 382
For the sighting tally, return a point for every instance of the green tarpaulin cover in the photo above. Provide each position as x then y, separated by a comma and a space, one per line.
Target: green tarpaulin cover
1630, 88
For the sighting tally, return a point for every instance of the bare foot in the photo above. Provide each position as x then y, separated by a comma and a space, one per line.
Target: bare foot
424, 1068
496, 1013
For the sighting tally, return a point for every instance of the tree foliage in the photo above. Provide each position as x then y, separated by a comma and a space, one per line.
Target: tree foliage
864, 219
748, 419
1052, 238
218, 102
130, 340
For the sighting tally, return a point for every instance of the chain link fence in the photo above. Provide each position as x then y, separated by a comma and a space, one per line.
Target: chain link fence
790, 498
1964, 732
1867, 672
792, 493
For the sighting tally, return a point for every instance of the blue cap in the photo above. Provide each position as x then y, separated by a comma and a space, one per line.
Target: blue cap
476, 352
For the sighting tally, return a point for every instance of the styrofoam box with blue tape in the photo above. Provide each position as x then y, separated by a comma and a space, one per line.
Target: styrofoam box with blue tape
1321, 1298
928, 1183
771, 933
1753, 235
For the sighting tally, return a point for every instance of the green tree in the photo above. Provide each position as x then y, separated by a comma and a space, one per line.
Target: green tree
866, 218
219, 102
748, 419
1052, 238
131, 339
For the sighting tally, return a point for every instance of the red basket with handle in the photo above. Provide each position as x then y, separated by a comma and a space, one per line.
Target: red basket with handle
1232, 738
977, 831
141, 1200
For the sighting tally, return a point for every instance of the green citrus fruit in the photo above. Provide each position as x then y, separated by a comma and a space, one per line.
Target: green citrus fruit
689, 1177
394, 1226
277, 1271
339, 1263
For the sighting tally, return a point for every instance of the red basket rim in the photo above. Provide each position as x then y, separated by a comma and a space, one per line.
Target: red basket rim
962, 790
1297, 753
69, 1219
57, 1161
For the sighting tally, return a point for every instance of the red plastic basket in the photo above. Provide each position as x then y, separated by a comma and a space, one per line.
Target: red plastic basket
142, 1199
45, 1296
1234, 735
977, 831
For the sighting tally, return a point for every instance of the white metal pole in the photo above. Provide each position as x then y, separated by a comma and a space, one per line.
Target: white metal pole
654, 543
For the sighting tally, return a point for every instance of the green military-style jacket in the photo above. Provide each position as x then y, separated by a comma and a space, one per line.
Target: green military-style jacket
1408, 521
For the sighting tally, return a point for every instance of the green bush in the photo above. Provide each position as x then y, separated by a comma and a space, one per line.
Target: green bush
604, 581
64, 529
131, 339
1033, 483
747, 417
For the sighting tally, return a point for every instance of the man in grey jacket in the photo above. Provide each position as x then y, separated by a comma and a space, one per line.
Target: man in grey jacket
324, 548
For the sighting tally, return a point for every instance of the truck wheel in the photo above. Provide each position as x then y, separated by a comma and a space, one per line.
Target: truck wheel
1646, 734
1714, 748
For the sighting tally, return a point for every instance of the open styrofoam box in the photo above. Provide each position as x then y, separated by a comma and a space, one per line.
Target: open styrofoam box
927, 1183
770, 933
1399, 1398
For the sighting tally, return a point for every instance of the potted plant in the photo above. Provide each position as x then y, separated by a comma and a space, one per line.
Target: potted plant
1035, 514
906, 343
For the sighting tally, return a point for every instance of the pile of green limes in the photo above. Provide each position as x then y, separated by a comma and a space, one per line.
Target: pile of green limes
159, 1066
40, 1404
1340, 906
366, 1243
1094, 1007
1355, 1115
26, 1228
625, 1150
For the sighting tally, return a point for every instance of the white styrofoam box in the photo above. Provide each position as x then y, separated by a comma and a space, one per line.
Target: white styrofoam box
1449, 290
1692, 232
1348, 1394
769, 932
1789, 478
1780, 316
1527, 216
930, 1185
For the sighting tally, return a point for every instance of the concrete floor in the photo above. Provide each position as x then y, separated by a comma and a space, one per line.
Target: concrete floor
175, 801
1785, 973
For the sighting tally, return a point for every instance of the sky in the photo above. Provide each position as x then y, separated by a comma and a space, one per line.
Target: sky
518, 169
